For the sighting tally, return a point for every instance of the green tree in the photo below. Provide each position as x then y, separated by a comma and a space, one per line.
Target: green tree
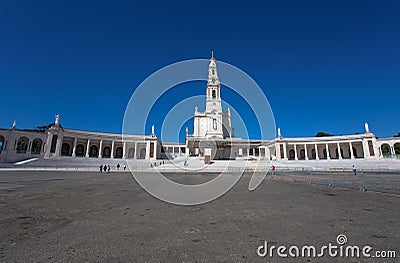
385, 149
323, 134
397, 148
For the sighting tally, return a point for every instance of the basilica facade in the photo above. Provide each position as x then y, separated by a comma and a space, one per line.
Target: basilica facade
212, 136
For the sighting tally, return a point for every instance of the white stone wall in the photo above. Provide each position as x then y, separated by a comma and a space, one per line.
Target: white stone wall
9, 149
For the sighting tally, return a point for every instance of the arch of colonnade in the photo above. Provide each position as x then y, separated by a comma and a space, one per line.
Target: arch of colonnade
389, 147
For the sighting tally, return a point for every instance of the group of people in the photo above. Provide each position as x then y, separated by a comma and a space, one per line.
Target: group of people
119, 166
155, 164
107, 168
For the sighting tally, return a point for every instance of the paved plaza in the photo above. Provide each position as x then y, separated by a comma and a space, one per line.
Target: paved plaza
88, 216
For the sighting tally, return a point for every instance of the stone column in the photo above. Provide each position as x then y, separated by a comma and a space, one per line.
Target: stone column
124, 151
88, 148
147, 150
112, 150
339, 152
284, 152
351, 150
100, 148
305, 152
135, 151
365, 147
278, 151
392, 151
295, 152
316, 152
29, 146
59, 144
248, 152
48, 144
155, 150
328, 157
74, 147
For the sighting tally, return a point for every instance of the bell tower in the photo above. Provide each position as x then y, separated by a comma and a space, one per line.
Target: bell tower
213, 103
212, 123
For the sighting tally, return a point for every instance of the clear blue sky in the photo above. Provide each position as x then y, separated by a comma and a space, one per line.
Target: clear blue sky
323, 65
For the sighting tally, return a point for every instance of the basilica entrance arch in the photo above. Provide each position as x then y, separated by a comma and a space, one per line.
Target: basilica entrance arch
119, 152
107, 152
291, 154
22, 144
80, 150
65, 149
36, 146
94, 151
302, 154
385, 149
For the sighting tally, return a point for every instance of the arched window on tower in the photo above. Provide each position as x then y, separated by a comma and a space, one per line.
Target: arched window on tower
214, 94
214, 124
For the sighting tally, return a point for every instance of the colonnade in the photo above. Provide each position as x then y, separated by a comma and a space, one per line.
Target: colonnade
350, 149
68, 144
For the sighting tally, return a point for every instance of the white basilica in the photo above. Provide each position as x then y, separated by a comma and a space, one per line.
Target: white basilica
212, 135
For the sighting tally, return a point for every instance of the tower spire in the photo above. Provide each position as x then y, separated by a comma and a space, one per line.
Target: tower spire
212, 72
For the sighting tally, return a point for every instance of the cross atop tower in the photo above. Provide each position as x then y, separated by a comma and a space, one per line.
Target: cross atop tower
212, 56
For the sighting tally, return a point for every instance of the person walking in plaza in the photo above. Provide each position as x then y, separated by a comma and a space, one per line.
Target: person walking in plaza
273, 170
109, 168
354, 169
118, 166
101, 168
124, 167
105, 168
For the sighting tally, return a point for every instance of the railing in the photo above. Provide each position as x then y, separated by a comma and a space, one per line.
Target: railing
383, 180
